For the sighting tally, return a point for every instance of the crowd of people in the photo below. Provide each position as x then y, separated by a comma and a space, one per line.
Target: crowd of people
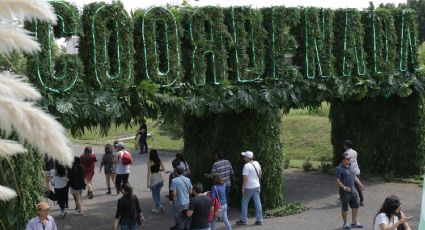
193, 206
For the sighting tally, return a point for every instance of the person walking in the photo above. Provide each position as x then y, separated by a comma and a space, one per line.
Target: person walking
143, 137
76, 183
110, 169
155, 181
48, 167
43, 221
251, 188
345, 180
183, 164
353, 160
219, 190
129, 214
123, 171
60, 183
87, 160
224, 169
181, 188
390, 217
199, 209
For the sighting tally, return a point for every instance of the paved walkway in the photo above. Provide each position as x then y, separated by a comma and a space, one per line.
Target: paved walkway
315, 190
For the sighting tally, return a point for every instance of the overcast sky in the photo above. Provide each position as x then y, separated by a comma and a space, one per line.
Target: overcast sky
359, 4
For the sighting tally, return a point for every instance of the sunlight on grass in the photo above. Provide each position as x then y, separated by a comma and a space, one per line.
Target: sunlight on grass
158, 139
305, 134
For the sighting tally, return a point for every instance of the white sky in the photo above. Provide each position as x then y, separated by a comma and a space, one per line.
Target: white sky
359, 4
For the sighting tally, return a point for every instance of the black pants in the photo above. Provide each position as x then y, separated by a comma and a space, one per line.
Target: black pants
62, 196
359, 190
120, 179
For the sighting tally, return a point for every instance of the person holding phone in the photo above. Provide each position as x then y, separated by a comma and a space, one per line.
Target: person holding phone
390, 217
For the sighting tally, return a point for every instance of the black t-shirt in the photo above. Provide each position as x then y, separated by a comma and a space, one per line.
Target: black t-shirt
201, 206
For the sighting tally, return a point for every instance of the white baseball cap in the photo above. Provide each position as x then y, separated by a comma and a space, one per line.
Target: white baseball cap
248, 154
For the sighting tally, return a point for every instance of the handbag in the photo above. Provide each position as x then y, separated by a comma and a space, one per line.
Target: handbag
156, 178
219, 211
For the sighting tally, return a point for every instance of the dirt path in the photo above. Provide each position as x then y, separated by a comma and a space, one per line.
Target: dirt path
317, 191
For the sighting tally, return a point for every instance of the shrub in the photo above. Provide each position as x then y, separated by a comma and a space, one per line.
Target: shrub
307, 165
325, 164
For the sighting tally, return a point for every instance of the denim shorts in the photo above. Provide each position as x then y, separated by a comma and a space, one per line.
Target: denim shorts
348, 198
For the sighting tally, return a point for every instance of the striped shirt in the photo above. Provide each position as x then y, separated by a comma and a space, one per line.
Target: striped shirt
224, 169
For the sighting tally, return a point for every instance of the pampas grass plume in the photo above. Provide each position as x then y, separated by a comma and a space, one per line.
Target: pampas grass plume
12, 85
27, 9
10, 148
14, 39
36, 127
6, 193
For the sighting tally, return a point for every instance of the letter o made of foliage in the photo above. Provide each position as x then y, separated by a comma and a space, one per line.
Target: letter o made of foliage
161, 21
118, 23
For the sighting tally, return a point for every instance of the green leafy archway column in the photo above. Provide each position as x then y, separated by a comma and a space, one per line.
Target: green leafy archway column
388, 133
24, 173
233, 133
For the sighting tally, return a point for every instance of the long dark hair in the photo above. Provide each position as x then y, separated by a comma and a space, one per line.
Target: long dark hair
109, 149
86, 157
180, 157
129, 193
77, 169
153, 156
389, 206
60, 169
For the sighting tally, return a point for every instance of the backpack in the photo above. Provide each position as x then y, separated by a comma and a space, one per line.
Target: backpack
126, 158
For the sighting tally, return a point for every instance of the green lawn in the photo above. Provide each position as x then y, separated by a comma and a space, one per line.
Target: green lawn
158, 140
305, 134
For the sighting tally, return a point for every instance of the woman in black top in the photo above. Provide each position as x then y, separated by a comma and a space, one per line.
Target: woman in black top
155, 181
77, 184
128, 215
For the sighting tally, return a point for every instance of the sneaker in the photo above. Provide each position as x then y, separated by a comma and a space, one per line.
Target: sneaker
258, 223
154, 210
346, 226
63, 215
161, 208
240, 222
108, 192
356, 225
78, 213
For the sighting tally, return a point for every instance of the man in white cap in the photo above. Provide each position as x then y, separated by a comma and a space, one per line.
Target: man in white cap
251, 188
122, 171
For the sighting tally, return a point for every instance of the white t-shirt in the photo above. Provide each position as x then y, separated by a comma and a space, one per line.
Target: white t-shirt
353, 155
249, 171
122, 169
59, 182
382, 218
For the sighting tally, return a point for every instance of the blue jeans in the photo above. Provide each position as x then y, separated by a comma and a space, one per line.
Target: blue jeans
156, 194
227, 189
126, 226
143, 145
179, 221
246, 197
223, 217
